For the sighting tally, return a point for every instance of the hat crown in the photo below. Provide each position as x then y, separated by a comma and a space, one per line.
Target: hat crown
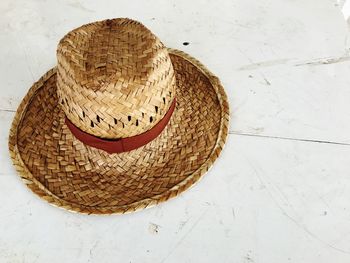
115, 78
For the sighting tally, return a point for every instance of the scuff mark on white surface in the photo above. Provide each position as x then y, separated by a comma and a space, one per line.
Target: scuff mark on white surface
182, 225
248, 258
27, 61
264, 64
153, 228
271, 192
268, 83
184, 236
233, 213
324, 61
79, 5
294, 62
258, 130
91, 251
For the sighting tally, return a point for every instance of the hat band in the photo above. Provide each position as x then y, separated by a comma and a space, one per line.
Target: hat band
123, 144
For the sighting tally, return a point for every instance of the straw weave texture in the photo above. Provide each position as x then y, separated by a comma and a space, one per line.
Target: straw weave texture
115, 78
66, 173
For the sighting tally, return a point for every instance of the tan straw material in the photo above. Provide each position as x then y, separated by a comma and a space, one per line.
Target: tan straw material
115, 79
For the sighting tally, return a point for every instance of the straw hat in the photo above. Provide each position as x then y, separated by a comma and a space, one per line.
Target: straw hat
122, 123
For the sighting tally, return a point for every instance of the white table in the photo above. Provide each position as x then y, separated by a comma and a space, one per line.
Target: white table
280, 192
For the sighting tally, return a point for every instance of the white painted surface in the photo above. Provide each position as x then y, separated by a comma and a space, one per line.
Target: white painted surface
345, 9
285, 66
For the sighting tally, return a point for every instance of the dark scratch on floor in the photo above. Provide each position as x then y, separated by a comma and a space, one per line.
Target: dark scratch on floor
7, 110
288, 138
268, 83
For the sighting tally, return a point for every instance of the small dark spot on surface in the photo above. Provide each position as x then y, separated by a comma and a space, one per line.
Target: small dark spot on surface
248, 258
185, 43
250, 76
325, 213
143, 115
268, 83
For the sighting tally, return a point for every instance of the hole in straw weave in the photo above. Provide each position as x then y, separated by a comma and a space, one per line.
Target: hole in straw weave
150, 119
164, 100
137, 122
92, 124
98, 118
84, 114
129, 118
115, 120
185, 43
156, 109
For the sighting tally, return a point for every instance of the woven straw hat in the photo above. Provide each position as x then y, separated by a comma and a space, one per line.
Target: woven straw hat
122, 123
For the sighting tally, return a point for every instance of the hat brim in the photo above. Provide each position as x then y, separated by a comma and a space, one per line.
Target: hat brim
66, 173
